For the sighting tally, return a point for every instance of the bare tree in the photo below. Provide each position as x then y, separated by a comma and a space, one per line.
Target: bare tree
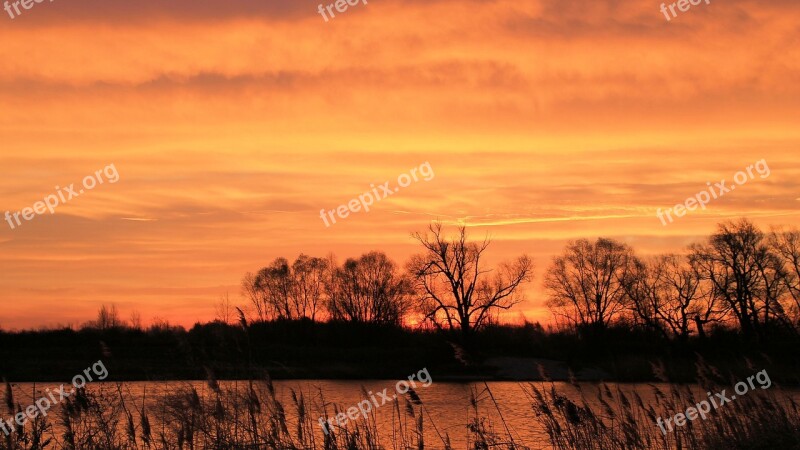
786, 247
257, 297
586, 283
224, 310
457, 290
309, 277
136, 320
746, 274
774, 289
107, 318
369, 290
283, 291
668, 294
643, 288
275, 281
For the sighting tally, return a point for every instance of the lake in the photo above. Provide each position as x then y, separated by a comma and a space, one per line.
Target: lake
447, 403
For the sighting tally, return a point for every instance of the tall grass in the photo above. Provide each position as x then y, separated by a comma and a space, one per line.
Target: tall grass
249, 415
242, 415
607, 418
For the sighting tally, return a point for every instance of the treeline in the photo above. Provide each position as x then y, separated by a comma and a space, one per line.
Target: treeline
446, 286
369, 289
284, 349
736, 293
740, 278
333, 349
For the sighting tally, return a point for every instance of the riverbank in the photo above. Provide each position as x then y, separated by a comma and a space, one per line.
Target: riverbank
343, 351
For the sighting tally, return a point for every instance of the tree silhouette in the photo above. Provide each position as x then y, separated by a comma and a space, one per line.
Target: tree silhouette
107, 318
283, 291
369, 290
457, 290
745, 272
668, 294
786, 245
586, 283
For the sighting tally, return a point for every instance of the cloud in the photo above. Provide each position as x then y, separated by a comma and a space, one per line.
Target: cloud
232, 125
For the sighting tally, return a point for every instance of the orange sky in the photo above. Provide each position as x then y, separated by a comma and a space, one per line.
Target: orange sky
232, 124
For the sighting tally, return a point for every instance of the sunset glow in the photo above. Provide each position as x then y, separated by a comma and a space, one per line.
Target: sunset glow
232, 124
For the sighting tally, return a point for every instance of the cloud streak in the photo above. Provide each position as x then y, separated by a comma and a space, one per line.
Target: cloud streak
233, 124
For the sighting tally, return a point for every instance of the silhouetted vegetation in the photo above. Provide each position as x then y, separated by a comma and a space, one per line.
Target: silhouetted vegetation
605, 417
737, 294
249, 414
741, 279
455, 289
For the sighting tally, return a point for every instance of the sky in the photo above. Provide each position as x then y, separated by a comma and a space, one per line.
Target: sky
232, 124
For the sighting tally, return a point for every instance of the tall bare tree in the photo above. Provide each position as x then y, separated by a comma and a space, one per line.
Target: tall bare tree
669, 295
284, 291
224, 309
309, 276
586, 283
369, 289
276, 282
107, 318
457, 289
786, 245
256, 296
136, 320
745, 272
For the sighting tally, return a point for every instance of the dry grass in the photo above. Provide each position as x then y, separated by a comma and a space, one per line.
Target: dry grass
761, 419
248, 415
245, 415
